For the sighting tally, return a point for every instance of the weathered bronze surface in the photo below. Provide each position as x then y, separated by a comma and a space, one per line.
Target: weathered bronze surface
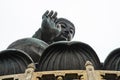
54, 29
64, 55
112, 61
32, 46
62, 60
14, 61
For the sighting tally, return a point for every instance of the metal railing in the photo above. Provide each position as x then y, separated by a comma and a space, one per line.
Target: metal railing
88, 74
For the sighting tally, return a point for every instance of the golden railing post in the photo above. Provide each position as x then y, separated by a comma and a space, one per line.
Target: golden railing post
29, 71
91, 75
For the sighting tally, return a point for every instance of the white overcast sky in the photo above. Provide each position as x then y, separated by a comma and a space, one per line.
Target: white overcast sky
97, 22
